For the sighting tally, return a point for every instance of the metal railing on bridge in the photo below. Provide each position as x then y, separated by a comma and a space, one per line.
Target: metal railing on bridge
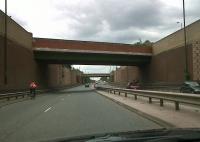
177, 98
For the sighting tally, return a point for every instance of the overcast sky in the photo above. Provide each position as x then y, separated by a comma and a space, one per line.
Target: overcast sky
124, 21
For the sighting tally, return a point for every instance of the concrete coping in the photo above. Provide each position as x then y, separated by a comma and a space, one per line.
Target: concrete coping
90, 51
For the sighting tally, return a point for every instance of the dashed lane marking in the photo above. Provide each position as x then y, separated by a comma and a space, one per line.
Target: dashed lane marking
47, 109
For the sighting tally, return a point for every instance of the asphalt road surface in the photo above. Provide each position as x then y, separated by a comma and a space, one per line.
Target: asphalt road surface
74, 112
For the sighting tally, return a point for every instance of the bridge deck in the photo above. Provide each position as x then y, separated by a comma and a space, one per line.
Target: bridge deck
92, 53
96, 75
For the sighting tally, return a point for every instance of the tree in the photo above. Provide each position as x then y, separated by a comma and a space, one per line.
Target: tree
146, 43
87, 80
104, 79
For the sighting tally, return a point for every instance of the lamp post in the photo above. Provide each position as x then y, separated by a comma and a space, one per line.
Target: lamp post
5, 45
187, 77
180, 24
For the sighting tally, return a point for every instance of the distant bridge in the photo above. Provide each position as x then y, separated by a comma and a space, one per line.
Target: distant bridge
92, 53
96, 75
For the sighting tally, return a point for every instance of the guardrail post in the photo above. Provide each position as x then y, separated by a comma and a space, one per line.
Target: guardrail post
8, 98
150, 100
114, 92
16, 97
161, 102
135, 97
177, 105
125, 94
119, 93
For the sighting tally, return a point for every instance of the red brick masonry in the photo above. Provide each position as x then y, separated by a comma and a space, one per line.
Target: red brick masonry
88, 45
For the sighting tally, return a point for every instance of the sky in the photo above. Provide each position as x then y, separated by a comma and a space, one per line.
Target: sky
119, 21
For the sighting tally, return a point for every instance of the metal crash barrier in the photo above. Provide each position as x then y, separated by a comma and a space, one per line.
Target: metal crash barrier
177, 98
22, 94
17, 95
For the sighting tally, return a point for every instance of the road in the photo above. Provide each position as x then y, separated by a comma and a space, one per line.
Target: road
73, 112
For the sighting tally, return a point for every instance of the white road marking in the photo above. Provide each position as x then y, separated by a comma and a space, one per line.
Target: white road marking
47, 109
62, 99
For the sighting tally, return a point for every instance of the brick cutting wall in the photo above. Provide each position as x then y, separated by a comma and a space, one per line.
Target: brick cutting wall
196, 60
126, 74
168, 60
21, 65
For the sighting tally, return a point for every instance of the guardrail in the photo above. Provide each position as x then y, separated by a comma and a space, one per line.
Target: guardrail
16, 95
153, 86
22, 94
177, 98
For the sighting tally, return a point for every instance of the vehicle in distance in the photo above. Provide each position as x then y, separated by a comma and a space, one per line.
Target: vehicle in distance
87, 85
133, 85
190, 87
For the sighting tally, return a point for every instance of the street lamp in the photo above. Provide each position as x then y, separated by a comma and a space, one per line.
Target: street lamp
187, 77
5, 45
180, 24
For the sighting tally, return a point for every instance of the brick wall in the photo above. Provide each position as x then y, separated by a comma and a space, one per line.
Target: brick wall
196, 60
88, 45
67, 76
176, 39
133, 73
58, 75
1, 62
126, 74
15, 32
54, 75
123, 74
117, 75
168, 60
21, 67
73, 77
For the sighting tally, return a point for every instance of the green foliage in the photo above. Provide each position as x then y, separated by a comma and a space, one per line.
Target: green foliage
187, 76
87, 80
146, 43
104, 79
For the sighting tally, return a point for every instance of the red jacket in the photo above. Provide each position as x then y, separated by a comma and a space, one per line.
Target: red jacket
33, 85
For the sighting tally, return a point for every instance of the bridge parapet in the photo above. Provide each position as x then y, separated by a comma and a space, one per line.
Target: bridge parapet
89, 53
96, 75
89, 46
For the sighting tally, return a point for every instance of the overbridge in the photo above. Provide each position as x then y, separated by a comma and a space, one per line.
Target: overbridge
92, 53
96, 75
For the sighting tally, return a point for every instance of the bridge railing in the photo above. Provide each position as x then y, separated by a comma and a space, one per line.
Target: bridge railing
177, 98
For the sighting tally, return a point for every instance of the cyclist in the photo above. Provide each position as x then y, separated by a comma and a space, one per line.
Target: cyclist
33, 87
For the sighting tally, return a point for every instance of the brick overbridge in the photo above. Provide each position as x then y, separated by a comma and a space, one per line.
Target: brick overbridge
96, 75
92, 53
